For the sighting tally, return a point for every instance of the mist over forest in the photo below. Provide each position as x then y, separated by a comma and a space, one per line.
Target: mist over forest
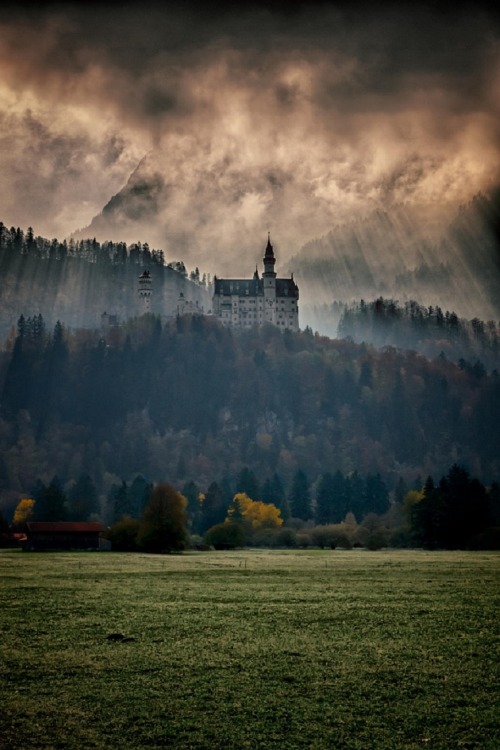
394, 254
79, 281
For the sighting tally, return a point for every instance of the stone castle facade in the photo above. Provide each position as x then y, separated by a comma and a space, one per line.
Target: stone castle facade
242, 303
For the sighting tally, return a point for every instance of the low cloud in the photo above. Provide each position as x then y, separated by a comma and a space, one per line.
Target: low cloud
256, 120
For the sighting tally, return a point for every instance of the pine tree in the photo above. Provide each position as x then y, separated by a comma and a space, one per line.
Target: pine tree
83, 499
299, 497
53, 504
325, 492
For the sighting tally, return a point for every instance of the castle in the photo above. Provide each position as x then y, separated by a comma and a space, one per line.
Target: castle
242, 303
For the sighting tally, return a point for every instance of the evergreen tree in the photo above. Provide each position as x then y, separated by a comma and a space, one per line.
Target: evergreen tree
340, 497
52, 506
82, 499
465, 504
425, 517
191, 492
494, 503
119, 501
274, 492
376, 495
18, 379
324, 499
248, 484
357, 498
400, 491
299, 497
138, 495
213, 508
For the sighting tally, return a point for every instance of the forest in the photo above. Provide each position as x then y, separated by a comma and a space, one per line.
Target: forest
325, 427
428, 330
76, 281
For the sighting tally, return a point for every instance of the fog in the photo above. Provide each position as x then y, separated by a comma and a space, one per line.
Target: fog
213, 128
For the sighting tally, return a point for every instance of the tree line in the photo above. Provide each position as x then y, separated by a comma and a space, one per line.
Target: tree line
429, 330
15, 243
192, 400
458, 512
78, 280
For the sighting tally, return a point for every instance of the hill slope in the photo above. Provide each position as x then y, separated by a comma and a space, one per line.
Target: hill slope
192, 400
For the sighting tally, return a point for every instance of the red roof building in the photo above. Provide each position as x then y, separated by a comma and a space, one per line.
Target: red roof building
62, 535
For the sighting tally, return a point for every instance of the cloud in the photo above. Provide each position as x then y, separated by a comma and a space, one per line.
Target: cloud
253, 117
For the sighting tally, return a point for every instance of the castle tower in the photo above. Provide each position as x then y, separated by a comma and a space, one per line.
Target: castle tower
144, 291
269, 279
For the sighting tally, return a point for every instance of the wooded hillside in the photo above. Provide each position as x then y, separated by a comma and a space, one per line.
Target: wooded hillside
191, 400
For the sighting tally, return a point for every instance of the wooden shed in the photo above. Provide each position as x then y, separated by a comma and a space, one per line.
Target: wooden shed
62, 535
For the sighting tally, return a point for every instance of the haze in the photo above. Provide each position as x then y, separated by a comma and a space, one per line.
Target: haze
251, 120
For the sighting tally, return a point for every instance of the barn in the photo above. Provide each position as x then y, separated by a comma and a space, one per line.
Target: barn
62, 535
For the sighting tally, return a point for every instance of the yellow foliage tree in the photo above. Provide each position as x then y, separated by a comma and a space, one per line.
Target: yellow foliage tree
23, 512
254, 513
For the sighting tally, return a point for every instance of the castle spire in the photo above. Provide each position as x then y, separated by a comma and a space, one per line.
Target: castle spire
269, 248
269, 259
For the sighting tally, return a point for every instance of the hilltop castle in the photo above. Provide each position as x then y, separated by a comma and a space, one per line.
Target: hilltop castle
242, 303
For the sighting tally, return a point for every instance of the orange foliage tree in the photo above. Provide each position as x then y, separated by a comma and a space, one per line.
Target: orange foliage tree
254, 514
23, 512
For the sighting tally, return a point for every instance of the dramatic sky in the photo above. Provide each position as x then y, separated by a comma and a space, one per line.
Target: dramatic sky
257, 118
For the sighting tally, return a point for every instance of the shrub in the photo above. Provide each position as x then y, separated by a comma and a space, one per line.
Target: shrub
123, 534
339, 539
376, 540
226, 535
265, 538
286, 538
303, 539
331, 536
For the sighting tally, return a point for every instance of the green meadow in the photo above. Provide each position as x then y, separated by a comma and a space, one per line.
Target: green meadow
250, 649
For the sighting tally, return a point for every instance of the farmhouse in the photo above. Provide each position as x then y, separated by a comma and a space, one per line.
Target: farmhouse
62, 535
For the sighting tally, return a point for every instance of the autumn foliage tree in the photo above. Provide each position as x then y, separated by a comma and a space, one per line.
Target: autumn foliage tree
23, 512
254, 514
164, 521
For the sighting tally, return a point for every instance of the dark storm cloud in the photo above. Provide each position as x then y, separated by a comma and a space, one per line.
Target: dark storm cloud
346, 105
143, 52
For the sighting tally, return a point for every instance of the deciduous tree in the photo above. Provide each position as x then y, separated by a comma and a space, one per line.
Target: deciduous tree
23, 512
163, 524
254, 514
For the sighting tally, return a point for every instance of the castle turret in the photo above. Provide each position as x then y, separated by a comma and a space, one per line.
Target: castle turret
269, 279
144, 291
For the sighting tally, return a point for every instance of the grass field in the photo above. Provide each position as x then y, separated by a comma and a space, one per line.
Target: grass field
251, 649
